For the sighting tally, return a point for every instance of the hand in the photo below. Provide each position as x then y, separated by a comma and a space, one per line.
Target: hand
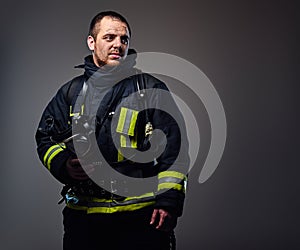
164, 218
76, 171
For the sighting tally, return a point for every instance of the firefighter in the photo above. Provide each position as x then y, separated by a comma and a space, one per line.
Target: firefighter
114, 214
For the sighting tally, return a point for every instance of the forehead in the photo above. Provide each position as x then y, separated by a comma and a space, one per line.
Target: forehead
112, 25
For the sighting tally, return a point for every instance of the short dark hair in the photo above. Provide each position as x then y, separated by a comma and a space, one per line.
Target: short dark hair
93, 31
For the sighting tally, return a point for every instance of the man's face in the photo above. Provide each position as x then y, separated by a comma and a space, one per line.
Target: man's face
111, 44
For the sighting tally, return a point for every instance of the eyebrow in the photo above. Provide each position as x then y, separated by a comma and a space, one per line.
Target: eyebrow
111, 32
114, 35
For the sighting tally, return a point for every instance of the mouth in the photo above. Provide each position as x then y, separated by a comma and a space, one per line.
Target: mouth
115, 55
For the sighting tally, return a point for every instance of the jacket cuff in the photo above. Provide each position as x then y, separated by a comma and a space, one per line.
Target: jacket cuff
58, 167
172, 201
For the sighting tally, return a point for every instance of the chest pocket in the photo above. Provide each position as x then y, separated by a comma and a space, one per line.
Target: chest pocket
126, 127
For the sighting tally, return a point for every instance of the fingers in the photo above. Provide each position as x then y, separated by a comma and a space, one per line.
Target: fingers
160, 215
153, 217
77, 172
163, 214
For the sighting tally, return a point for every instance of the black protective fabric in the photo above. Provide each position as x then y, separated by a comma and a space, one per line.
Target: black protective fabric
121, 231
58, 111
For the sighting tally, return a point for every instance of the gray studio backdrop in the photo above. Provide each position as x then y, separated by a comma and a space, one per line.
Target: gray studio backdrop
248, 49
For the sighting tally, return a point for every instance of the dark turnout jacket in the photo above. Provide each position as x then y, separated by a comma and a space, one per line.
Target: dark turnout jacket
118, 109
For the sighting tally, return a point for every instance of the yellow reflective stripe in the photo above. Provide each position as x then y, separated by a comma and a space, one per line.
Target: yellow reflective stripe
120, 156
128, 142
121, 121
132, 122
127, 121
78, 113
50, 154
126, 126
111, 205
71, 113
171, 179
110, 210
171, 174
176, 186
123, 141
94, 199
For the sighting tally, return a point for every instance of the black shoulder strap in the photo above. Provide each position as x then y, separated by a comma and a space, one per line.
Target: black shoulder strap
74, 88
141, 86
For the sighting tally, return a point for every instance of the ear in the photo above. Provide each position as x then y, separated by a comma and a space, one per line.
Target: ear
90, 42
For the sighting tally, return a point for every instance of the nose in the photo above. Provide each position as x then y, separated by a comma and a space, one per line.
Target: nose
117, 42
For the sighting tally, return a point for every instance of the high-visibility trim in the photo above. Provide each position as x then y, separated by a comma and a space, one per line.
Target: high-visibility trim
120, 156
174, 174
119, 208
127, 121
132, 122
176, 186
127, 200
71, 112
124, 141
96, 205
78, 113
110, 210
49, 151
172, 180
50, 154
128, 141
169, 180
121, 121
126, 126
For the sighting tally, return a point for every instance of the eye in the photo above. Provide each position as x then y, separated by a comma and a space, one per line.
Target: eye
125, 40
109, 38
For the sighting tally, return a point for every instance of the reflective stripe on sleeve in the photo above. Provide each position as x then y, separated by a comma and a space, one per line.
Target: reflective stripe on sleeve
175, 186
171, 179
50, 154
171, 174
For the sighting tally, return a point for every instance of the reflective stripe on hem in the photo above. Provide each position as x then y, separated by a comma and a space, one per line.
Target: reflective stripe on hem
110, 209
131, 207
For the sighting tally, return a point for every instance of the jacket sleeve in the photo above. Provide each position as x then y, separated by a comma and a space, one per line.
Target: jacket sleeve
173, 163
54, 120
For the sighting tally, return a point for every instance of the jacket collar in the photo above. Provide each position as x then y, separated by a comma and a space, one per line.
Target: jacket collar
105, 74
